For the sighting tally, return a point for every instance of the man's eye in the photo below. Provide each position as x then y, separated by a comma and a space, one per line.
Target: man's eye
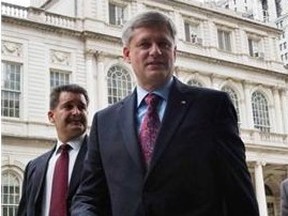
165, 45
144, 45
68, 107
82, 107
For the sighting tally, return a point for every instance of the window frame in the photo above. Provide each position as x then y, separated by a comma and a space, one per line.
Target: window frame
114, 93
60, 82
16, 93
15, 196
114, 18
192, 32
263, 123
224, 37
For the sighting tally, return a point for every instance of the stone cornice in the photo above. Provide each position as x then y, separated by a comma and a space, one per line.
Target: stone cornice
100, 36
231, 64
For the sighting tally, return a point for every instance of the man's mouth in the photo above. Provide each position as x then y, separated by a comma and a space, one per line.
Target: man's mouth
76, 121
155, 64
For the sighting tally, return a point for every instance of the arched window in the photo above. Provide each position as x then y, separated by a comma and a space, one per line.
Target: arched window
10, 193
234, 99
119, 84
194, 82
260, 112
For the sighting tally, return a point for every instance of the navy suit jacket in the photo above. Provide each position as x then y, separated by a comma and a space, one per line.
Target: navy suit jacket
198, 165
34, 181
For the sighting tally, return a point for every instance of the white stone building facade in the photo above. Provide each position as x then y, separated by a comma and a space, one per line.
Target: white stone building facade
80, 43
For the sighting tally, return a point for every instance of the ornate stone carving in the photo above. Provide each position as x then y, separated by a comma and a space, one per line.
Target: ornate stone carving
12, 49
60, 57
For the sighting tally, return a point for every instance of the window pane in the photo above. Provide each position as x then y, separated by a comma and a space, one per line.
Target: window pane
112, 15
227, 41
10, 89
117, 14
10, 194
220, 39
224, 41
250, 45
260, 112
119, 84
187, 32
59, 78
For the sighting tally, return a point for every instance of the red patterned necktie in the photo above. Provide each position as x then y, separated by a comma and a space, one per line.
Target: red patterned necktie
150, 127
58, 202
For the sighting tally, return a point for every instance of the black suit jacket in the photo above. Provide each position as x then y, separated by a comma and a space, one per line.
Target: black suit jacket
284, 198
198, 165
34, 181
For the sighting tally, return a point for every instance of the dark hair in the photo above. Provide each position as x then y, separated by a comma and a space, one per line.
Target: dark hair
74, 88
147, 19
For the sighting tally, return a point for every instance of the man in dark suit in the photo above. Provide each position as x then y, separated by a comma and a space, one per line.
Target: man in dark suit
68, 112
194, 165
284, 198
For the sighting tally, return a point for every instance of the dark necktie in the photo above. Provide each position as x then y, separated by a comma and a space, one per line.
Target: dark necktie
58, 202
149, 128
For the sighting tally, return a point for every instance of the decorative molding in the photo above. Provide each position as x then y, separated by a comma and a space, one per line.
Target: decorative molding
60, 57
12, 49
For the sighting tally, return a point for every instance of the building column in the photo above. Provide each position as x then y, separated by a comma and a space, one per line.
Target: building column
249, 123
284, 109
260, 188
91, 81
278, 113
101, 81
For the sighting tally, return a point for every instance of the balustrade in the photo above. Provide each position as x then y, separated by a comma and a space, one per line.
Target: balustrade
255, 136
36, 15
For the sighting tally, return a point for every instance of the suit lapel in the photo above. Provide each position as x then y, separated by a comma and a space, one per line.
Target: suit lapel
40, 175
77, 169
127, 124
177, 107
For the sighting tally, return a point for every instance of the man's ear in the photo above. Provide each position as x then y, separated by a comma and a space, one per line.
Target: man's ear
126, 54
50, 115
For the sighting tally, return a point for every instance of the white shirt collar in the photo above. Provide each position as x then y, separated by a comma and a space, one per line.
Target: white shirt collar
74, 143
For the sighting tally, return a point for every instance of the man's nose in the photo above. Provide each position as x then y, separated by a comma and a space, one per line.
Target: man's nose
76, 110
155, 50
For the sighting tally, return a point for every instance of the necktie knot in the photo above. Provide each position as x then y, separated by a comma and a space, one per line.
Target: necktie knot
64, 148
152, 100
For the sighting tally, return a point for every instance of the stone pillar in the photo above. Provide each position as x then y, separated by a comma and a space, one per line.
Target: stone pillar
249, 123
102, 91
260, 188
91, 83
284, 109
278, 113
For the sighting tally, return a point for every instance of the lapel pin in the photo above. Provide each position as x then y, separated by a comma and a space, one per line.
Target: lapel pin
183, 102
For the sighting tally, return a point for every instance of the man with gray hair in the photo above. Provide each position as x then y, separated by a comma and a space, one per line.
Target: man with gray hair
167, 149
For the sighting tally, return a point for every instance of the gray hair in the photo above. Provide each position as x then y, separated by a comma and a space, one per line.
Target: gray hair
147, 19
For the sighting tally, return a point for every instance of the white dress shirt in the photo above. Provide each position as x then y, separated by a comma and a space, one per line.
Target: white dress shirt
73, 152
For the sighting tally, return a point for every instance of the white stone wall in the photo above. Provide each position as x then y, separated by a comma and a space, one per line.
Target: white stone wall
88, 46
